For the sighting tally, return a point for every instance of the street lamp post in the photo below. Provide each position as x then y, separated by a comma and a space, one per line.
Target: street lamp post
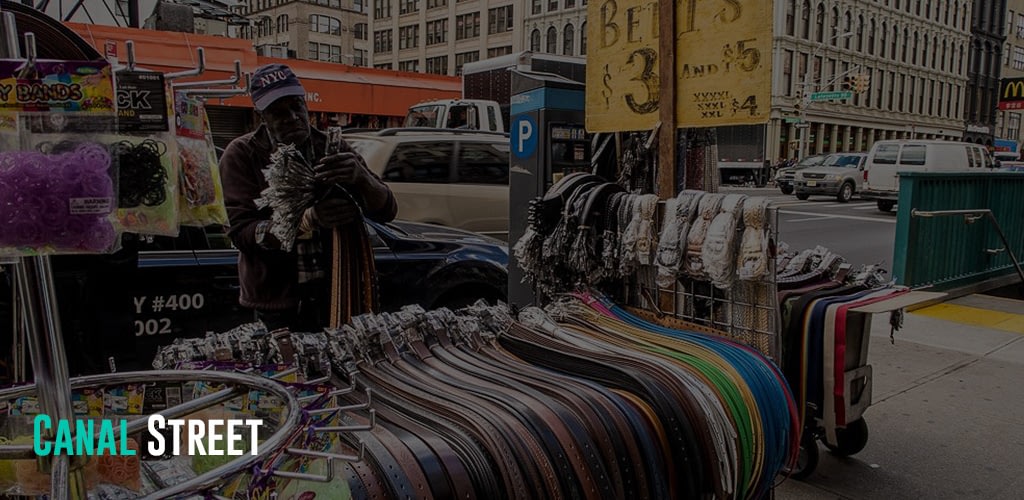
805, 93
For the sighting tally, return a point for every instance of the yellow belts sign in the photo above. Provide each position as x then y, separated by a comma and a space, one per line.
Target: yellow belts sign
723, 63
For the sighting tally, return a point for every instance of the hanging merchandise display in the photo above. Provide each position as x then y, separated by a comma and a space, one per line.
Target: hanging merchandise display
202, 196
58, 181
145, 148
581, 401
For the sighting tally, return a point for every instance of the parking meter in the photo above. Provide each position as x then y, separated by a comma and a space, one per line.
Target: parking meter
548, 141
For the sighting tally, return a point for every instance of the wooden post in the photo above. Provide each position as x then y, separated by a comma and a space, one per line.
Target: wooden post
666, 180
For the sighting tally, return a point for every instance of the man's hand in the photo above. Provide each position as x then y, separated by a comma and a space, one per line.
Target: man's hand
336, 211
342, 168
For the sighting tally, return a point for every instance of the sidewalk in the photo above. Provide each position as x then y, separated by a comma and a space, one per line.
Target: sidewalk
947, 413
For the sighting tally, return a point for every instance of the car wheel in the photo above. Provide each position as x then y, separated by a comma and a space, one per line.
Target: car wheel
851, 439
845, 193
802, 196
786, 189
885, 205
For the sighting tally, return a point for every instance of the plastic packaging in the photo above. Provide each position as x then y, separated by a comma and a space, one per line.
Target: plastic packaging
202, 196
58, 181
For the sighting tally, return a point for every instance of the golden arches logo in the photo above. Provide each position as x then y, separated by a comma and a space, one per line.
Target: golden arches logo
1017, 86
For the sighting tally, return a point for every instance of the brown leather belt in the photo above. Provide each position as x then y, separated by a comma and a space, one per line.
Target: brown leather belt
561, 432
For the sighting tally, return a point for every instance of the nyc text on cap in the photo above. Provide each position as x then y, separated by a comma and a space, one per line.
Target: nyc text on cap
272, 82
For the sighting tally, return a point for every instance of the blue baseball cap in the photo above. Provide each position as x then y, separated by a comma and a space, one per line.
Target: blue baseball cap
272, 82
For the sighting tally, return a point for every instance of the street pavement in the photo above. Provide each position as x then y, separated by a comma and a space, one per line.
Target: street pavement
947, 410
856, 230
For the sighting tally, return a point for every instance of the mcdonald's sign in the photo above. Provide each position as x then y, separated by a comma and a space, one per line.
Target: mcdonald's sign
1011, 93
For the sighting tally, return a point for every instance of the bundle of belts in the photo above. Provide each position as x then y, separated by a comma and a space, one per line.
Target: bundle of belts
598, 404
816, 293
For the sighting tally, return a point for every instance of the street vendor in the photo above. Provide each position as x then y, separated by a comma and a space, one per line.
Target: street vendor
291, 289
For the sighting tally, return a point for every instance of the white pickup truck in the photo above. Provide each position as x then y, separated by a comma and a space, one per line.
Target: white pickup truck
471, 114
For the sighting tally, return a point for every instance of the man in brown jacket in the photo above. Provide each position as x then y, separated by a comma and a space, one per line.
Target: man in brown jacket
291, 289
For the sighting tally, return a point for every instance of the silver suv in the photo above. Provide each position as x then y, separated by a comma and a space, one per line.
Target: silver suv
840, 175
785, 176
453, 178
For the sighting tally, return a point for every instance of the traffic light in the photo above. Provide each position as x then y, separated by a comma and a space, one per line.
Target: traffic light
862, 83
799, 101
849, 82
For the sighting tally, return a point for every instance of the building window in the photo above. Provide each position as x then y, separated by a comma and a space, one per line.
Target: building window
324, 24
552, 41
567, 40
787, 70
409, 37
437, 65
408, 6
1013, 125
790, 7
361, 31
264, 28
436, 3
895, 40
1018, 58
358, 5
499, 51
360, 58
583, 39
552, 5
871, 38
569, 4
413, 65
535, 41
382, 66
1020, 25
437, 32
847, 28
465, 57
467, 26
324, 52
282, 23
819, 23
805, 20
382, 41
535, 7
325, 3
499, 20
381, 9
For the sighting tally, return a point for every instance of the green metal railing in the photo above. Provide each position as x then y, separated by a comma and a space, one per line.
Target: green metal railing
956, 229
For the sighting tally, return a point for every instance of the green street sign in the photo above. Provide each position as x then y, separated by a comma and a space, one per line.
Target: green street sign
831, 96
793, 119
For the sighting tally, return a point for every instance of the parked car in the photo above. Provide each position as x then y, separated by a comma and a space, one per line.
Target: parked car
454, 178
888, 158
785, 176
839, 175
127, 305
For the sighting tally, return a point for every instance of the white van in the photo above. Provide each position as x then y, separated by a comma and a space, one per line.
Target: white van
888, 158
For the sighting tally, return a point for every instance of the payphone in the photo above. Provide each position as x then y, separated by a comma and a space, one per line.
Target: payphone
548, 141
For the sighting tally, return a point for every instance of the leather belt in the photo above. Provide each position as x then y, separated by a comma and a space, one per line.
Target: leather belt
560, 430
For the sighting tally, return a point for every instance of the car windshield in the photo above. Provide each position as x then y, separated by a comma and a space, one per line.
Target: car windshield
842, 161
811, 161
424, 116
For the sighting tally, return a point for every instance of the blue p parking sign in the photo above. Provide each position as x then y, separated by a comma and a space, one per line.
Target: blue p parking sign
524, 136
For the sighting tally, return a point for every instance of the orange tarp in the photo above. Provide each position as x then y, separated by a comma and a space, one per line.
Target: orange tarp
330, 87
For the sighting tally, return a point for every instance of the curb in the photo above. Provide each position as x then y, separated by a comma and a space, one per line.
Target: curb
955, 293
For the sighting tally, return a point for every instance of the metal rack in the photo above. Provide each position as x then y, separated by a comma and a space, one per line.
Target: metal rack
36, 323
747, 313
